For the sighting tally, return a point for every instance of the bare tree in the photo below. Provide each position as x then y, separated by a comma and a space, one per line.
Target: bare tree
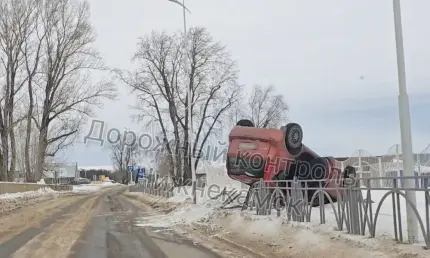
65, 92
154, 82
122, 155
32, 51
213, 80
264, 108
15, 25
161, 82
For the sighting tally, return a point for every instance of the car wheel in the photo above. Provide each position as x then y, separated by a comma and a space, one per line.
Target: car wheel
349, 176
293, 138
245, 123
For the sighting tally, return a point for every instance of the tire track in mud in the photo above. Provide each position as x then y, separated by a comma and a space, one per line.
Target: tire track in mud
57, 234
58, 238
112, 233
20, 220
50, 227
218, 247
10, 246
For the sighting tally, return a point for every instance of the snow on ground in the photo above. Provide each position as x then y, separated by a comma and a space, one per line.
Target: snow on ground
384, 223
206, 212
88, 188
184, 214
28, 194
12, 201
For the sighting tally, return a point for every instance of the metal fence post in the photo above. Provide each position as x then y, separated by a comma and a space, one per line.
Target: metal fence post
360, 165
418, 182
399, 166
381, 172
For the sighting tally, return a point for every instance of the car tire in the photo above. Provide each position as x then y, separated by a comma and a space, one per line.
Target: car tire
245, 123
293, 138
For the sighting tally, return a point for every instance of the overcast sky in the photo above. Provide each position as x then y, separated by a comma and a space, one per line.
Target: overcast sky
333, 60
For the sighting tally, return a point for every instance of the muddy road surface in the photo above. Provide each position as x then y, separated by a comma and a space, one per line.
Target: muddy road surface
98, 225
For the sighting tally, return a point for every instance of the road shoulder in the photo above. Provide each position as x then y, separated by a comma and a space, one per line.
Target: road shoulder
270, 237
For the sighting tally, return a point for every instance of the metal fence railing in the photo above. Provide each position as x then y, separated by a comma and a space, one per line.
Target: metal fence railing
160, 188
389, 164
367, 206
364, 210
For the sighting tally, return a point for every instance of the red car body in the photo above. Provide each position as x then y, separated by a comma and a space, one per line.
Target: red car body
266, 151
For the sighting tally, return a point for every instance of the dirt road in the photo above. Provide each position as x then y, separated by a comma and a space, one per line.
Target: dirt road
94, 225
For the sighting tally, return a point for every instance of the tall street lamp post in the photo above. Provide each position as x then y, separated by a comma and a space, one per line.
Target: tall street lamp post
405, 126
189, 92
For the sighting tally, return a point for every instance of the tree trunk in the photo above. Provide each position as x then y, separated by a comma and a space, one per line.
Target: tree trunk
2, 175
5, 145
12, 147
28, 175
179, 154
41, 150
186, 165
13, 156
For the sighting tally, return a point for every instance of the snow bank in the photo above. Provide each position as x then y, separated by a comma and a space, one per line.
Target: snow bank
41, 182
216, 181
28, 194
385, 221
216, 174
184, 214
207, 212
87, 188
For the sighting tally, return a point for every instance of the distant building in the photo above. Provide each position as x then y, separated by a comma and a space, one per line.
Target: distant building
61, 173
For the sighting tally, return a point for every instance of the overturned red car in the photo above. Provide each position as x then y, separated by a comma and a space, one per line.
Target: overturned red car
279, 154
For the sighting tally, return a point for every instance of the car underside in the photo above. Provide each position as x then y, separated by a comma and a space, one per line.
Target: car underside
278, 156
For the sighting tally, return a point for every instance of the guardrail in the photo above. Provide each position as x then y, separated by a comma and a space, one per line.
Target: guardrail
355, 210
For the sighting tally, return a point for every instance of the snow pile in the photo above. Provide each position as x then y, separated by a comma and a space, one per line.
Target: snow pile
41, 182
12, 201
28, 194
384, 223
109, 184
206, 212
181, 194
216, 175
88, 188
184, 214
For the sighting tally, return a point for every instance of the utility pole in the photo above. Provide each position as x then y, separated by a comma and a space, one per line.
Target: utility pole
189, 107
405, 126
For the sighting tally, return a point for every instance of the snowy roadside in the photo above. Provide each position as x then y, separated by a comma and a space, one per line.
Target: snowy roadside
272, 234
13, 201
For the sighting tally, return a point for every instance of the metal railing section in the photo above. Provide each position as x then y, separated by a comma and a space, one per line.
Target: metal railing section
351, 204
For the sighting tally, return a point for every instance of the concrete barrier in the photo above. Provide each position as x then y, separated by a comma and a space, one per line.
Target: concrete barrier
22, 187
